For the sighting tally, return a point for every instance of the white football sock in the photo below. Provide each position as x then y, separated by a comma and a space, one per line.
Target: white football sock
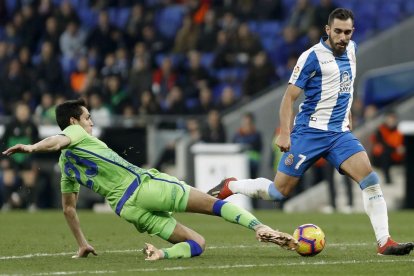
254, 188
376, 208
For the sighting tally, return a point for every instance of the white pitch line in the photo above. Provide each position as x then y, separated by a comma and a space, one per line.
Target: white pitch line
34, 255
182, 268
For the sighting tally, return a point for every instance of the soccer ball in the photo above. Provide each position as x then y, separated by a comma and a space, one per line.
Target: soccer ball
311, 239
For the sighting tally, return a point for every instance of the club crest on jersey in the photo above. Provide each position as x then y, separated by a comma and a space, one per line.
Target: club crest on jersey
345, 85
289, 160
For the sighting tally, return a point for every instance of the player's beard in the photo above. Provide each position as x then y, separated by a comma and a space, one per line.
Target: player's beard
335, 49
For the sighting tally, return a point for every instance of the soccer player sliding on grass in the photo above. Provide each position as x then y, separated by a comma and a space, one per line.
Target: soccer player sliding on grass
144, 198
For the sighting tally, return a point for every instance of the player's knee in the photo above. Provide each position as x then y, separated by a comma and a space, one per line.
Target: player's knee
370, 180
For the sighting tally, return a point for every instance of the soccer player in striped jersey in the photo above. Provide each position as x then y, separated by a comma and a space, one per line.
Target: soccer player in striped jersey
142, 197
322, 128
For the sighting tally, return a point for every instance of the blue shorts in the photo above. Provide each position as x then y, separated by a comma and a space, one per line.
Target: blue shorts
310, 144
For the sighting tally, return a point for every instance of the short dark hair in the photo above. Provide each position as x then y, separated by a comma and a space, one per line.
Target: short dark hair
67, 110
341, 14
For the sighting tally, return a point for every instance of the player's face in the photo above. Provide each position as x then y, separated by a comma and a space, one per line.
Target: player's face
339, 35
85, 120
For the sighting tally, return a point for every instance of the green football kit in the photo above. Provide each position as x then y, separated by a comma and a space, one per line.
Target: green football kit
144, 198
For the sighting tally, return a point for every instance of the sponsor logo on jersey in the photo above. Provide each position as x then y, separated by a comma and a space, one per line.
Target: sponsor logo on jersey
327, 61
345, 85
289, 160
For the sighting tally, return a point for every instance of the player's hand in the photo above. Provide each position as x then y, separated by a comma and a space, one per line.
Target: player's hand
84, 251
283, 142
19, 148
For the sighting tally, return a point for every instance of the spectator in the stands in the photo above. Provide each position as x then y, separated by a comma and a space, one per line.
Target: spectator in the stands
175, 102
287, 46
140, 78
321, 14
388, 145
65, 14
122, 62
45, 9
186, 37
249, 136
15, 85
31, 27
140, 52
227, 98
208, 33
260, 75
72, 41
115, 95
78, 78
154, 43
20, 130
136, 22
205, 101
104, 36
4, 57
148, 104
13, 35
101, 115
224, 53
195, 76
164, 79
45, 111
25, 59
302, 16
313, 36
48, 70
52, 34
245, 44
213, 130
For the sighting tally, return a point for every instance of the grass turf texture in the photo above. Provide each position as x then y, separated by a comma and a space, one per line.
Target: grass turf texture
41, 244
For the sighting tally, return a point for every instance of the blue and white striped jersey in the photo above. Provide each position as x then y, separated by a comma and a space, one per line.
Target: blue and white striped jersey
327, 82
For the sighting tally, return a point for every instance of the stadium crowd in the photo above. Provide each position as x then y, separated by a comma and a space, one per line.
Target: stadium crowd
137, 57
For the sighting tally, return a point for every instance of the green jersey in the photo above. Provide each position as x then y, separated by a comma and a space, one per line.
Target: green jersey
89, 162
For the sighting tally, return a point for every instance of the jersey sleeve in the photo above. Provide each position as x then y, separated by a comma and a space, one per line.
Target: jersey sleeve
304, 69
76, 134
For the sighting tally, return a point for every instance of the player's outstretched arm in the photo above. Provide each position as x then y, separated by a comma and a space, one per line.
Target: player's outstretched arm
69, 210
52, 143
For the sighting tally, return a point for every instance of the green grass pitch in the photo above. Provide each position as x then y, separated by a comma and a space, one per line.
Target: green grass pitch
41, 244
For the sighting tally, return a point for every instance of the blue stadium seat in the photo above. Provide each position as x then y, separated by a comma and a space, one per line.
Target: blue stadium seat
207, 60
269, 28
11, 6
119, 16
169, 20
409, 7
176, 59
269, 43
388, 14
191, 103
88, 17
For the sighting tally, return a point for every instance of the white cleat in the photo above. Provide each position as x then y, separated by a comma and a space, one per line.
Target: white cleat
284, 240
